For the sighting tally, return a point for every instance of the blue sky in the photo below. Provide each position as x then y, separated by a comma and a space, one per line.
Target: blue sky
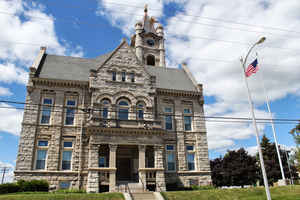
208, 34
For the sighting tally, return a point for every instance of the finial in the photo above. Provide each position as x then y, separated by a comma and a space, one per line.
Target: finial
146, 9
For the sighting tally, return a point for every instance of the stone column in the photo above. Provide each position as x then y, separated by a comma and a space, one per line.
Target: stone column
142, 174
112, 164
159, 163
93, 176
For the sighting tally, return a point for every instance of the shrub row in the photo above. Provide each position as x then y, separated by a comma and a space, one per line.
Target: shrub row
25, 186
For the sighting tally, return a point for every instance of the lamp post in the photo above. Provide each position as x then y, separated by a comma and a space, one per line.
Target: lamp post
262, 165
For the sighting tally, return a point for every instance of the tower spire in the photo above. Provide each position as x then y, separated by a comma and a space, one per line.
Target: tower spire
146, 9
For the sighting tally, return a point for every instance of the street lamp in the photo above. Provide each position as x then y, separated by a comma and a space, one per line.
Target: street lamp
262, 165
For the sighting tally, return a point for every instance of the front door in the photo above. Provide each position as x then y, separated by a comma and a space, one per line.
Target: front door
124, 167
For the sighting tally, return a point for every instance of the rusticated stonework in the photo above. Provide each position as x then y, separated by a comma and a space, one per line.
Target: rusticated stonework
99, 124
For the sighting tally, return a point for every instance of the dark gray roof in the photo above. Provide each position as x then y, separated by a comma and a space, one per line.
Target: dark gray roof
68, 68
72, 68
171, 78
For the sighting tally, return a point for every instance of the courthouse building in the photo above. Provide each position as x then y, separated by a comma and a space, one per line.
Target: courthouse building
122, 118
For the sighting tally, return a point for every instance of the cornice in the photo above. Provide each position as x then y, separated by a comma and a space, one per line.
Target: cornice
171, 92
60, 83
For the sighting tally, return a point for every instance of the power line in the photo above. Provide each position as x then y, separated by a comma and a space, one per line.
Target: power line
263, 120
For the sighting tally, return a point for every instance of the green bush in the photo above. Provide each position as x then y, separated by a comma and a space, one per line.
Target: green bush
34, 186
9, 188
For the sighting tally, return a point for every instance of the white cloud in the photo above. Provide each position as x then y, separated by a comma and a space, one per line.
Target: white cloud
5, 91
9, 175
125, 15
186, 39
10, 119
24, 28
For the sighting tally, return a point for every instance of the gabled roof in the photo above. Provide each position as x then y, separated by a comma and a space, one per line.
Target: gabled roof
171, 78
78, 69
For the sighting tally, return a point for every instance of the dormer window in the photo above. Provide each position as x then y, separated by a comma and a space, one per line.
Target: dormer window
151, 60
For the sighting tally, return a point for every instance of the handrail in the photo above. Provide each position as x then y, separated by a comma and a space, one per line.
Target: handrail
128, 188
142, 184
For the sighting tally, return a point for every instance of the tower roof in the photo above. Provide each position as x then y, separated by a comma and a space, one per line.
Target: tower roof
148, 22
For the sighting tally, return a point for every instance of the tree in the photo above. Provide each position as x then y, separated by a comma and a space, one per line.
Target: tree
237, 168
272, 164
296, 134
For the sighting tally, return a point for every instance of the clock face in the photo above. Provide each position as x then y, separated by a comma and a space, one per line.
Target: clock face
150, 42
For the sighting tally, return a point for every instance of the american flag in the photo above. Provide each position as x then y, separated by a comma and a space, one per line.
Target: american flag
252, 68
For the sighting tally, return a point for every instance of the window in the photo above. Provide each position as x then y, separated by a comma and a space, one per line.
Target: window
168, 118
105, 106
123, 110
42, 143
41, 159
190, 157
64, 185
46, 111
123, 76
41, 154
114, 76
150, 42
132, 78
187, 119
140, 111
151, 60
170, 151
102, 161
70, 112
67, 155
66, 160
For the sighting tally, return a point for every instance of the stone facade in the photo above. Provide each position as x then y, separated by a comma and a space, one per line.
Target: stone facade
113, 126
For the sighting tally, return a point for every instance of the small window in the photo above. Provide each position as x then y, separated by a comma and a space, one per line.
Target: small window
187, 111
123, 103
114, 76
191, 161
47, 101
42, 143
132, 78
170, 147
105, 113
140, 111
105, 102
64, 185
123, 76
66, 160
151, 60
41, 159
187, 123
46, 111
168, 110
150, 42
190, 148
70, 112
68, 144
168, 122
102, 161
71, 103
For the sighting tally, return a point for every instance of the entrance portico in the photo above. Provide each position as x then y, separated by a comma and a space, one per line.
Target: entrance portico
126, 163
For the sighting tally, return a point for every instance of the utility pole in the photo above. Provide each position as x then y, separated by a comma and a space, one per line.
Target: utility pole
3, 175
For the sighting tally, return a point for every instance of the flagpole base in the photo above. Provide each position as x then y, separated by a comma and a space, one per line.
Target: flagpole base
282, 182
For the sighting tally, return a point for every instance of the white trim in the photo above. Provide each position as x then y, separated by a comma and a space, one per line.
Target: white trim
66, 149
36, 155
41, 110
175, 155
70, 106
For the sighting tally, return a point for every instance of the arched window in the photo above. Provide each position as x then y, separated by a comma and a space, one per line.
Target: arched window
105, 103
140, 110
123, 109
151, 60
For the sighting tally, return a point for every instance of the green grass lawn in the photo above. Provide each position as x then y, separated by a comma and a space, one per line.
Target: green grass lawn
277, 193
61, 196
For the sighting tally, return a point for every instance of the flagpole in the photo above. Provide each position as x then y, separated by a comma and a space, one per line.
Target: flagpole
262, 165
273, 128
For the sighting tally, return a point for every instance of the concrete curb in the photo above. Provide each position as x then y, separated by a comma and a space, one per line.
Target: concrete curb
158, 196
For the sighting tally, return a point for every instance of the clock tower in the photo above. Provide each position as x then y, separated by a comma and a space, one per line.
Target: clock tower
148, 41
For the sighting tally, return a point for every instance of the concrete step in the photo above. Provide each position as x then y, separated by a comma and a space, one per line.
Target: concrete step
133, 187
143, 196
